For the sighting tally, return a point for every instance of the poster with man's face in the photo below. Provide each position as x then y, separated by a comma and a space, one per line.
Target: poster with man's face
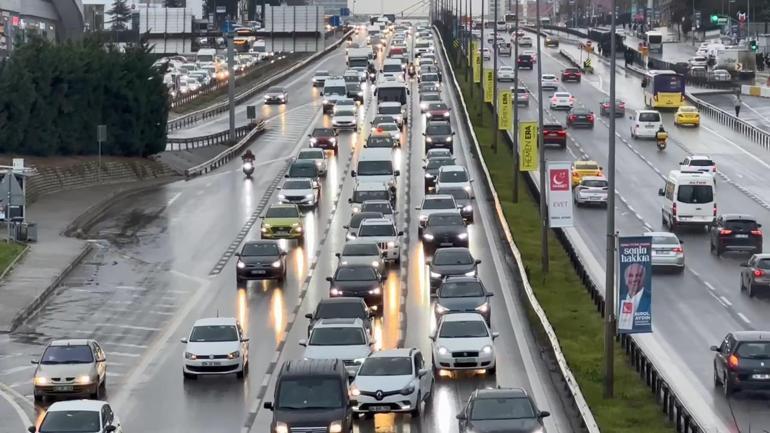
634, 309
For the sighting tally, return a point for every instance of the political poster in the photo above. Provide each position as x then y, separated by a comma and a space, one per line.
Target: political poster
470, 53
476, 67
528, 160
634, 307
559, 194
504, 111
489, 85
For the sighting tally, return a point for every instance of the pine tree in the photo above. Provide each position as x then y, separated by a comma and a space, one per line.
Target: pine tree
121, 15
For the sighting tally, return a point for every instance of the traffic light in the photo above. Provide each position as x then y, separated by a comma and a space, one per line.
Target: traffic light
753, 45
714, 18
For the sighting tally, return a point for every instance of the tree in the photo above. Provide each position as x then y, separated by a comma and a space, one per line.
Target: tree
174, 3
121, 15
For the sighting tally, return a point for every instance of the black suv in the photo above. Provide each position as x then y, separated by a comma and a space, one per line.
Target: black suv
438, 135
340, 308
524, 61
742, 361
311, 395
494, 409
259, 260
734, 232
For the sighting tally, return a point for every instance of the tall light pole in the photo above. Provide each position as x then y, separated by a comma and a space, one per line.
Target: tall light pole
494, 80
609, 281
541, 149
231, 82
515, 105
481, 63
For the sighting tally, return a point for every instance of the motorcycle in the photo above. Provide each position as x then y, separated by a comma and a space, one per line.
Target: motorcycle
661, 138
248, 168
411, 71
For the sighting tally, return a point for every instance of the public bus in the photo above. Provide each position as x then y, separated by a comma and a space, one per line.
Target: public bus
663, 89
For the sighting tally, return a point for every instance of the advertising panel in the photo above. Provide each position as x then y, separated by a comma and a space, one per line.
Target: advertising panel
634, 309
528, 146
559, 194
489, 85
504, 111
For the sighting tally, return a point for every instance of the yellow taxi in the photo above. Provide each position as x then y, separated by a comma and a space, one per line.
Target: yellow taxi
687, 115
585, 168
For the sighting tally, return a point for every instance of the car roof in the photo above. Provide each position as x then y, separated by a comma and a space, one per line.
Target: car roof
593, 178
263, 242
306, 179
462, 317
393, 353
313, 368
86, 405
437, 196
453, 168
371, 186
283, 206
461, 279
357, 241
215, 321
562, 94
585, 162
340, 323
376, 202
377, 221
71, 342
312, 150
751, 335
343, 299
501, 393
737, 217
303, 162
700, 157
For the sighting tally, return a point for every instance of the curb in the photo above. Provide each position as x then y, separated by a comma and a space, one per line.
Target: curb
11, 265
38, 302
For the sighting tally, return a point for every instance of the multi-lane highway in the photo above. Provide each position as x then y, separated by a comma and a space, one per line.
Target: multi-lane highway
166, 259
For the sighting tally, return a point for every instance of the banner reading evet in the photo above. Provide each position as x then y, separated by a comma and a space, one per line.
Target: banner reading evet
634, 308
504, 111
489, 85
528, 146
559, 194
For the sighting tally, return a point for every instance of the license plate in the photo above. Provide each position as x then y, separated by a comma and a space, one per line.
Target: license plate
760, 376
63, 388
742, 236
446, 244
258, 272
211, 363
472, 360
380, 408
649, 126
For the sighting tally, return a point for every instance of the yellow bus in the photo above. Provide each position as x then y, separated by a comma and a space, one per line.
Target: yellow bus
663, 89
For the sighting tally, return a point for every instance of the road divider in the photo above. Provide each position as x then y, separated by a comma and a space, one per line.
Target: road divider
226, 155
222, 137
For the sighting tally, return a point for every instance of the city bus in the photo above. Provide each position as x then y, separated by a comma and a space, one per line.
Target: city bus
663, 89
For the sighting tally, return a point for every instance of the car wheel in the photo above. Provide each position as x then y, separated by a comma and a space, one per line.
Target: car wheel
39, 398
717, 381
719, 251
743, 288
750, 290
418, 406
728, 388
239, 280
663, 219
492, 371
97, 394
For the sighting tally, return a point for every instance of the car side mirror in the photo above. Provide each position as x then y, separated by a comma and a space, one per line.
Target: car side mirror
744, 265
660, 192
495, 335
245, 340
353, 173
303, 342
544, 414
423, 134
309, 316
478, 261
31, 429
284, 253
460, 416
422, 372
329, 279
350, 200
237, 254
183, 340
490, 294
34, 361
759, 225
338, 255
268, 405
401, 233
714, 349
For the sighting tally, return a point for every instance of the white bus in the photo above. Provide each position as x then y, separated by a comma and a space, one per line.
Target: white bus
654, 41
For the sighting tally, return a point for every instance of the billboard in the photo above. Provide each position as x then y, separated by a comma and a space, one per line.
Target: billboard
476, 67
559, 194
489, 85
504, 111
528, 146
634, 308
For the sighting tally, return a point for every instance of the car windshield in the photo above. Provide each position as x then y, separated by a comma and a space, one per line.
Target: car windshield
665, 240
335, 90
741, 225
76, 354
438, 203
71, 421
438, 130
695, 194
595, 183
571, 71
461, 289
388, 126
311, 154
453, 176
362, 196
502, 408
431, 97
383, 208
701, 162
303, 170
275, 90
265, 249
521, 90
649, 117
463, 329
346, 112
297, 184
429, 77
457, 193
377, 230
452, 257
754, 350
389, 110
282, 212
355, 273
340, 310
309, 393
323, 132
379, 141
561, 95
213, 333
445, 220
386, 366
586, 167
362, 249
343, 336
369, 168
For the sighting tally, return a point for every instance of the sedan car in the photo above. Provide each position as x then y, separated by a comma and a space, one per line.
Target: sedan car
736, 232
320, 77
742, 362
340, 308
454, 176
384, 207
355, 223
570, 74
463, 341
462, 295
579, 116
687, 115
592, 190
318, 156
667, 251
390, 128
215, 346
82, 416
324, 138
283, 221
585, 168
451, 261
430, 87
439, 135
361, 252
522, 95
719, 75
427, 98
344, 339
345, 103
551, 42
505, 73
554, 133
299, 191
438, 153
701, 163
259, 260
70, 367
492, 410
549, 81
362, 281
437, 110
620, 108
562, 101
755, 274
463, 200
394, 380
444, 229
276, 95
345, 118
431, 170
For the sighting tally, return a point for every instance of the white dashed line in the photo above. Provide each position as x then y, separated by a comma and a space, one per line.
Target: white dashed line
744, 318
709, 286
726, 301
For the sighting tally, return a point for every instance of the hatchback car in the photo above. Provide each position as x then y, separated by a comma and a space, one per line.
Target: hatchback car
736, 232
549, 81
439, 135
361, 281
345, 118
259, 260
276, 95
525, 61
463, 341
426, 98
489, 409
345, 339
340, 308
70, 367
299, 191
505, 73
701, 163
524, 41
82, 416
451, 261
215, 346
522, 96
324, 138
554, 133
742, 362
620, 108
437, 110
592, 190
562, 101
580, 116
667, 251
755, 274
283, 221
462, 295
570, 74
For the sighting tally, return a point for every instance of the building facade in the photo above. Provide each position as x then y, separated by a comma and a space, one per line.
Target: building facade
50, 19
96, 12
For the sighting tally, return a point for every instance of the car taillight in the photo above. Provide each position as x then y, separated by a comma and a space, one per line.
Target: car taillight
591, 117
758, 272
725, 232
562, 133
673, 210
572, 117
733, 362
553, 99
678, 249
756, 232
715, 210
714, 169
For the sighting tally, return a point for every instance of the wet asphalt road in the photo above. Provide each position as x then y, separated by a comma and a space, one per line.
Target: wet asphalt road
163, 261
754, 110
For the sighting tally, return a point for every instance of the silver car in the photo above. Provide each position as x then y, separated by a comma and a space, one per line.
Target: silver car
362, 252
591, 190
71, 367
667, 251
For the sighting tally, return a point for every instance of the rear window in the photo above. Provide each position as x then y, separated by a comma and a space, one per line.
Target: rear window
595, 183
763, 264
552, 127
741, 225
695, 194
649, 117
376, 230
701, 163
665, 240
439, 203
754, 350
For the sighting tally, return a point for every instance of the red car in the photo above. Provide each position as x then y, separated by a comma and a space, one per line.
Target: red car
570, 74
580, 117
324, 138
437, 110
554, 133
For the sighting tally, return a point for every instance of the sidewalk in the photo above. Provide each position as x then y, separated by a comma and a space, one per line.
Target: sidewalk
54, 255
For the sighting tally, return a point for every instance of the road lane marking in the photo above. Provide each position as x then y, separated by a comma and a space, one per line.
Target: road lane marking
709, 286
135, 327
176, 196
726, 301
123, 354
8, 394
744, 318
16, 369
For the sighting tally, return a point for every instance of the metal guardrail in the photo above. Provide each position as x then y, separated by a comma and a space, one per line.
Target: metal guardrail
732, 122
570, 382
222, 137
221, 107
226, 155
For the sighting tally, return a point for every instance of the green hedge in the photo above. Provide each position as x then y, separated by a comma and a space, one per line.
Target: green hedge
53, 96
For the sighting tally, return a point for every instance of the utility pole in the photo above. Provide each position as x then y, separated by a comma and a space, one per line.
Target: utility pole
515, 105
609, 281
481, 63
231, 82
470, 54
494, 80
541, 149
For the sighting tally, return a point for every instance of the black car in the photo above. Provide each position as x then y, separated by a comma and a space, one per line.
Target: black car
355, 222
310, 393
438, 135
451, 261
355, 91
340, 308
444, 229
734, 232
462, 199
304, 168
385, 141
361, 281
324, 138
742, 362
500, 409
580, 116
260, 260
462, 295
524, 61
431, 171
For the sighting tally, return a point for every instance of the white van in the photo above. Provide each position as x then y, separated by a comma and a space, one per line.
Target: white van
689, 198
376, 165
205, 56
393, 68
334, 90
646, 124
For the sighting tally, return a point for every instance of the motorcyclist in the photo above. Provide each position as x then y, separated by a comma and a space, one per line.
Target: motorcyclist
411, 70
661, 136
248, 156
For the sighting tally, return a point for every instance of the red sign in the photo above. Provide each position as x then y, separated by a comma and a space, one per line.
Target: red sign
560, 180
15, 21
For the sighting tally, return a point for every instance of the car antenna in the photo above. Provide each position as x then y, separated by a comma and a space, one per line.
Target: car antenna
217, 312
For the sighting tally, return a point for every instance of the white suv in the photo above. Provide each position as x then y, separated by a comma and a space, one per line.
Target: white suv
344, 339
216, 345
463, 341
454, 176
393, 380
382, 231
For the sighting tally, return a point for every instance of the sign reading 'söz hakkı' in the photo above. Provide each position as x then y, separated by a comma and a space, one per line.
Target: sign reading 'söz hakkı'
559, 194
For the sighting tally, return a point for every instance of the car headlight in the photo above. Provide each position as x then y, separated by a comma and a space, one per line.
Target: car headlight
486, 349
313, 140
443, 350
440, 309
354, 391
265, 229
423, 217
391, 244
325, 101
192, 356
428, 140
435, 274
83, 380
428, 176
468, 208
483, 308
332, 140
375, 291
335, 427
471, 273
240, 265
41, 380
233, 355
281, 196
375, 264
276, 264
407, 390
424, 105
462, 236
467, 188
308, 195
428, 236
335, 291
360, 93
449, 139
281, 427
446, 114
428, 114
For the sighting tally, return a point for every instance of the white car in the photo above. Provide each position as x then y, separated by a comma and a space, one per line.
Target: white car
82, 416
345, 118
505, 73
389, 128
646, 124
463, 341
698, 61
454, 176
549, 81
216, 345
345, 103
591, 190
393, 109
299, 191
382, 231
700, 163
394, 380
562, 101
382, 206
320, 77
433, 203
361, 252
344, 339
525, 41
317, 155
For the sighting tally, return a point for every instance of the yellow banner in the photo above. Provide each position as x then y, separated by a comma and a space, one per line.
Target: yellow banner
470, 53
504, 111
489, 85
528, 146
476, 67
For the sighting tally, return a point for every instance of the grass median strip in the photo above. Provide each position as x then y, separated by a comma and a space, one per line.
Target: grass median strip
8, 253
564, 298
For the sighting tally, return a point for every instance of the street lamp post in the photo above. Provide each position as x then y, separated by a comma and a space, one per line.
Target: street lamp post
515, 100
481, 64
543, 206
231, 83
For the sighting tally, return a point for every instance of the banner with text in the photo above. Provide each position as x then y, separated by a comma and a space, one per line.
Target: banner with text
634, 308
476, 67
559, 194
489, 85
528, 160
471, 51
504, 111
